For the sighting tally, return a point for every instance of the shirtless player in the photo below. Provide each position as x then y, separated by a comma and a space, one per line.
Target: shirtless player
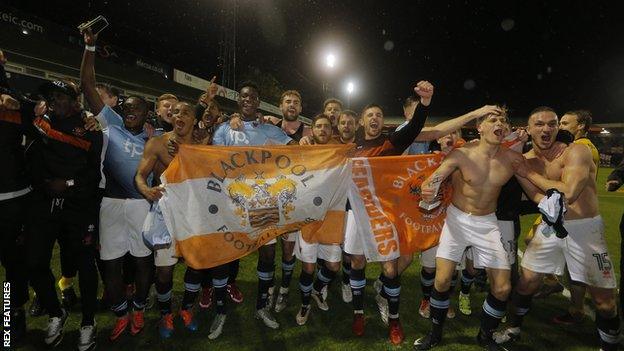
156, 158
477, 171
584, 250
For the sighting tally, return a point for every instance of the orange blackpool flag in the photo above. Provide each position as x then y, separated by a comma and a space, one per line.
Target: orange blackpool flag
384, 196
222, 203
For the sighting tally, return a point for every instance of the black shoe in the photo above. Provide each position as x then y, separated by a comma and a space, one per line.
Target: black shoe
18, 325
36, 309
487, 343
68, 298
427, 342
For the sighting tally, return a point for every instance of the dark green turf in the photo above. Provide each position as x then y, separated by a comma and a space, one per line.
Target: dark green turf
332, 330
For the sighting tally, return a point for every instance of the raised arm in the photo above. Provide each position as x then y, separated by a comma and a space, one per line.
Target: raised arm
431, 185
403, 138
146, 167
87, 74
574, 177
447, 127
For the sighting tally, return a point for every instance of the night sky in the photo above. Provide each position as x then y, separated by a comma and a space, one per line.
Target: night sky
565, 54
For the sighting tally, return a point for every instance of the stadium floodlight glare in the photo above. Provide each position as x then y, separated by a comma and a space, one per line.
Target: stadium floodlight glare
330, 60
350, 88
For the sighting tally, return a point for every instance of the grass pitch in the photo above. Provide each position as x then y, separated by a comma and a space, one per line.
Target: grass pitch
332, 330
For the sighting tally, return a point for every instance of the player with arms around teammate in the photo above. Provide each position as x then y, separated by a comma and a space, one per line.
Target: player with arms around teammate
477, 171
584, 249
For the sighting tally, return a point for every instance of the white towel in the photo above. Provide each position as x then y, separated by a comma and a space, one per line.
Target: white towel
155, 233
552, 207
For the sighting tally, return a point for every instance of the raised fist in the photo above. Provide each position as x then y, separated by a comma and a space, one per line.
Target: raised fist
424, 89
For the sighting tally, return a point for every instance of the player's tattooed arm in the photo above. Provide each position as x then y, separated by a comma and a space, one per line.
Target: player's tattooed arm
436, 181
431, 185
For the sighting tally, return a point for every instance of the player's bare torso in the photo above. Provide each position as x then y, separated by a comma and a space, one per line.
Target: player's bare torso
586, 205
479, 178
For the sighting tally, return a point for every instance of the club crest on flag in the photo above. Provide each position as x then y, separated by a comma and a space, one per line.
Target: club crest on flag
260, 203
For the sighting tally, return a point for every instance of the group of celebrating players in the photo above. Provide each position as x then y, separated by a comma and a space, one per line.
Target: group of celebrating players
88, 181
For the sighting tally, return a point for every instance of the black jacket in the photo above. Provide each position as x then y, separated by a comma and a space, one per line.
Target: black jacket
617, 174
13, 176
65, 150
13, 126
